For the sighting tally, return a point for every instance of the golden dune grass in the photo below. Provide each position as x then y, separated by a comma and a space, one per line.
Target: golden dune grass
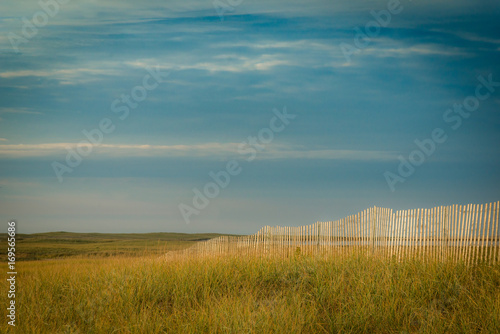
300, 294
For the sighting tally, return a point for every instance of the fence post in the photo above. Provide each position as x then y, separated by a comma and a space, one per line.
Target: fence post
446, 230
318, 228
487, 253
372, 229
497, 234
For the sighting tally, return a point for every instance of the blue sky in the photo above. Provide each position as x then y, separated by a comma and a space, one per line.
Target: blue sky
353, 119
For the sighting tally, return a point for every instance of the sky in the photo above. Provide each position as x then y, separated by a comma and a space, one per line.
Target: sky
229, 115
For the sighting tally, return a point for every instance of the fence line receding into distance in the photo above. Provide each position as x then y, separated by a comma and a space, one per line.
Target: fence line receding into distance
466, 233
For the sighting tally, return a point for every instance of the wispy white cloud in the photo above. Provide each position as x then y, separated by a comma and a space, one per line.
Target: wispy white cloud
84, 73
205, 150
302, 44
218, 63
327, 154
469, 36
422, 49
19, 111
3, 139
118, 150
24, 73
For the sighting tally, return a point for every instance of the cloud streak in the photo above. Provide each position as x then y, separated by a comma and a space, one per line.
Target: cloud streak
19, 111
205, 150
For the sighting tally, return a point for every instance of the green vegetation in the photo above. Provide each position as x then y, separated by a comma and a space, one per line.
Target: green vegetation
229, 294
52, 245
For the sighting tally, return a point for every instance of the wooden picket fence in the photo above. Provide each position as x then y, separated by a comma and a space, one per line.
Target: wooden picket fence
467, 233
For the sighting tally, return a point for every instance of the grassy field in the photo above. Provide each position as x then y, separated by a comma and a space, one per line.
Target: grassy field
53, 245
300, 294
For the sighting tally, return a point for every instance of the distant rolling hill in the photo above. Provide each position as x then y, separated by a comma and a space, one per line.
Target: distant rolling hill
51, 245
